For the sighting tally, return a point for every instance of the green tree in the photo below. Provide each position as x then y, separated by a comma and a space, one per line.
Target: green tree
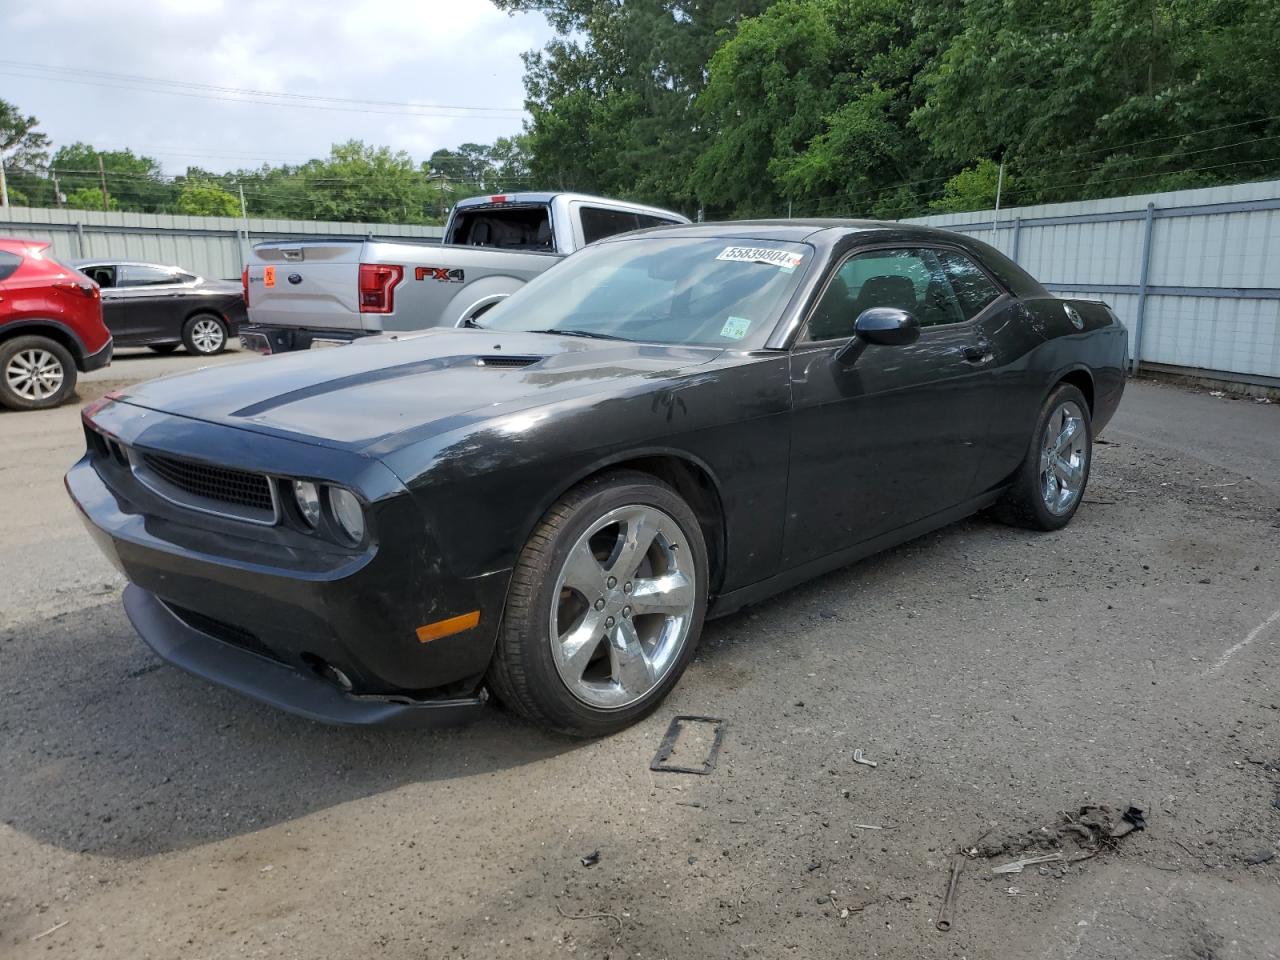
22, 146
203, 198
135, 183
90, 198
975, 188
1109, 96
612, 99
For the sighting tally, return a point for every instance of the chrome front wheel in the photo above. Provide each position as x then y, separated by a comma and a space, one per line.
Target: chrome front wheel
624, 602
205, 335
605, 606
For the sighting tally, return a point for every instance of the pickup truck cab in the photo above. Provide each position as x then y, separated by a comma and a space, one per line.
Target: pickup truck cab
324, 292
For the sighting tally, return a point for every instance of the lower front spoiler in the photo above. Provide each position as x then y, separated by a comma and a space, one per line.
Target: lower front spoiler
275, 683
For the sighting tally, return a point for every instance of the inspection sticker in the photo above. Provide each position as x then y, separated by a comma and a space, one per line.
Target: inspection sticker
735, 328
768, 255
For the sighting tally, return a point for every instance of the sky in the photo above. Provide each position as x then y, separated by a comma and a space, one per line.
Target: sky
54, 55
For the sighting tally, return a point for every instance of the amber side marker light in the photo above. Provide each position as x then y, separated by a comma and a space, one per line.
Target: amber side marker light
447, 628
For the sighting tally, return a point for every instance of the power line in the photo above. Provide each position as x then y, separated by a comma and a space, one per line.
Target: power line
301, 101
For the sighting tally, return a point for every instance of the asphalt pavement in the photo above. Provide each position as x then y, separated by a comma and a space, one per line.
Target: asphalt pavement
1001, 681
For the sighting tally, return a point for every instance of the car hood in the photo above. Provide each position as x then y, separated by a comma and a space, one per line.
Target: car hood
377, 396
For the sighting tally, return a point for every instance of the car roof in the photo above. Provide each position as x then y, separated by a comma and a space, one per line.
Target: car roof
111, 262
795, 230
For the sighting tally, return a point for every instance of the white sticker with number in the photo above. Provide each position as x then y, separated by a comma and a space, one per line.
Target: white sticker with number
735, 328
767, 255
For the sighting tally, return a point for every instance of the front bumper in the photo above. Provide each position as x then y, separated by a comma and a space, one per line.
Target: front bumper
273, 683
245, 605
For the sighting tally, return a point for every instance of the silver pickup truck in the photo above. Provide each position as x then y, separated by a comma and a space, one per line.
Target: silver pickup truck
324, 292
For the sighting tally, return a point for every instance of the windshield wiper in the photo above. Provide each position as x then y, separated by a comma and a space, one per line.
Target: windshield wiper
591, 334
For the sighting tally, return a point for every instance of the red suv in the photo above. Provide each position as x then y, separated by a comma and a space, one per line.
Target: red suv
50, 326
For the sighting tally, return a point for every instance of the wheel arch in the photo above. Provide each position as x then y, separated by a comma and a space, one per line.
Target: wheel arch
688, 475
1080, 378
57, 332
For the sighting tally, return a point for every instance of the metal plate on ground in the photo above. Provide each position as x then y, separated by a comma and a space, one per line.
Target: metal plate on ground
691, 745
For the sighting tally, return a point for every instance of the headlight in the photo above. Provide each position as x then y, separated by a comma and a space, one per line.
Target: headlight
307, 494
348, 512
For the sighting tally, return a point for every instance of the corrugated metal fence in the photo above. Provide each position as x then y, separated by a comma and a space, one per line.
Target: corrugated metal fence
1194, 274
209, 246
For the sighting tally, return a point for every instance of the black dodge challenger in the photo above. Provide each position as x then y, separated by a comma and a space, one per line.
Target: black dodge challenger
664, 427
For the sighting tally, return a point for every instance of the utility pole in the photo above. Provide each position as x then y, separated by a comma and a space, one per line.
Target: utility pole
57, 190
244, 217
4, 187
996, 217
102, 178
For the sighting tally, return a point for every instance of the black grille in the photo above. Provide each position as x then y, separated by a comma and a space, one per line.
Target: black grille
214, 483
227, 633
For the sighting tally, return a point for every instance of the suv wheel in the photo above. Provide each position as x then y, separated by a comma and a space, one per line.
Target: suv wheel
35, 373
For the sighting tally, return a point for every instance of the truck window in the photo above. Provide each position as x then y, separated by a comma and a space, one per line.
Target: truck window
598, 223
504, 228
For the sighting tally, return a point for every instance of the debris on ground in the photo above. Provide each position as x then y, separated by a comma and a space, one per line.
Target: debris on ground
1017, 865
859, 758
1260, 856
1092, 828
591, 859
943, 922
592, 916
693, 742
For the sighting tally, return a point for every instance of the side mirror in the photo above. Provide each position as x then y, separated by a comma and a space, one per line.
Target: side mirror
887, 327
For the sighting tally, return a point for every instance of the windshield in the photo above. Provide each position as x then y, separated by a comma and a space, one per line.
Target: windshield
705, 292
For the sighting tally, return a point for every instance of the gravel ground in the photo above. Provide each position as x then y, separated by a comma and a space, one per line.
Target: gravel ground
999, 678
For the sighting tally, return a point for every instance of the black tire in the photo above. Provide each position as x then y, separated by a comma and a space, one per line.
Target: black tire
20, 393
162, 348
1024, 503
193, 340
523, 674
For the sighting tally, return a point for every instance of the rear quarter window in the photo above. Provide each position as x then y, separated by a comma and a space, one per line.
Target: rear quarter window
9, 262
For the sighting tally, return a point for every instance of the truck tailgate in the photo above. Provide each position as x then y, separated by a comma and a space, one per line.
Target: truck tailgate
309, 283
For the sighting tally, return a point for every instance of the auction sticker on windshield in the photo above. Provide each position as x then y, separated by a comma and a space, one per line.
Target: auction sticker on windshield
778, 258
735, 328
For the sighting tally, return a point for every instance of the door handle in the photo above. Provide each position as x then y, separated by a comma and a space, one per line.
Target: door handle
979, 352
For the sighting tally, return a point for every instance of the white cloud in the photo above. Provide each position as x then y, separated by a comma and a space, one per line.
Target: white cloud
460, 52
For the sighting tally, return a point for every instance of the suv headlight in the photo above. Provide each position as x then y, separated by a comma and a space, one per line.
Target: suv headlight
348, 512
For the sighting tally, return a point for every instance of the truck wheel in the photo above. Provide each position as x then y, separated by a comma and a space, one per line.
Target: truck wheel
204, 335
605, 607
35, 373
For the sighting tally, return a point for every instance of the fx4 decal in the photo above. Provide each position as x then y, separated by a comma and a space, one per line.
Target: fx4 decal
442, 274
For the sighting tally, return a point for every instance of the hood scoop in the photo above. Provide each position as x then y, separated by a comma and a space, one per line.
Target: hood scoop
507, 363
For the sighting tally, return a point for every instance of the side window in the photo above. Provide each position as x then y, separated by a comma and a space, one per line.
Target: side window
972, 288
907, 279
598, 223
142, 275
104, 276
9, 262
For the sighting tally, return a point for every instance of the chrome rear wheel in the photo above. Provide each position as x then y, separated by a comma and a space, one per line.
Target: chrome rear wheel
1064, 457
